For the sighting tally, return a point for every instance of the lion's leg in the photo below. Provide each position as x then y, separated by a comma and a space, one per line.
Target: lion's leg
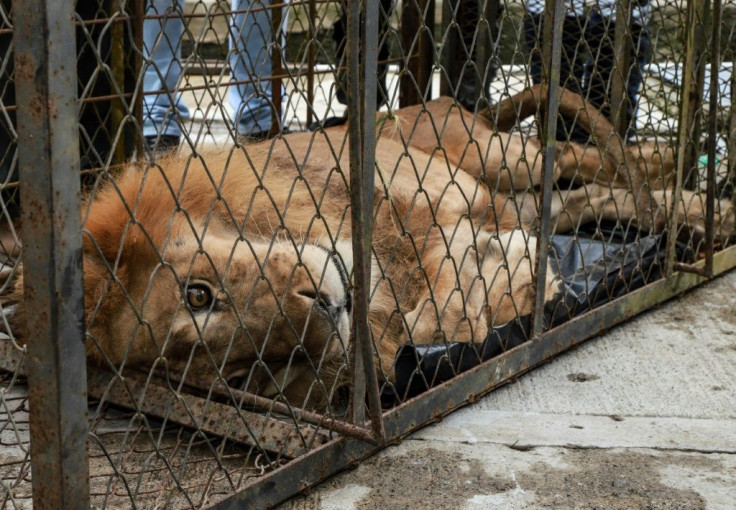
584, 165
444, 131
571, 209
691, 213
657, 161
452, 306
505, 162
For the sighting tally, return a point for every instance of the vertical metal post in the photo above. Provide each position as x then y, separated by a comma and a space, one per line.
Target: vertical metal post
619, 77
277, 89
715, 64
362, 47
48, 147
311, 60
417, 22
688, 123
695, 68
552, 37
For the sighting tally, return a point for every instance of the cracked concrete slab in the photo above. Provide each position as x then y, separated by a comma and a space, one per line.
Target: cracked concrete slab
643, 416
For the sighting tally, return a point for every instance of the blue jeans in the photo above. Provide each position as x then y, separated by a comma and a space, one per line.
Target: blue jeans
251, 41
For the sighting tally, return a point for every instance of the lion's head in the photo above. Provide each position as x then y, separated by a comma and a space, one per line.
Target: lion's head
172, 281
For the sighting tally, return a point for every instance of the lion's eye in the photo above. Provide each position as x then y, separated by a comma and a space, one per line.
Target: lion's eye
199, 296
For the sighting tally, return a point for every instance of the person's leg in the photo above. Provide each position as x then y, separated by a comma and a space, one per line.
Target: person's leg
472, 83
639, 57
571, 63
163, 109
339, 36
532, 28
600, 66
251, 50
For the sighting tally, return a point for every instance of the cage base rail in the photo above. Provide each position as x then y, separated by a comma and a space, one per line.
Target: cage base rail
207, 416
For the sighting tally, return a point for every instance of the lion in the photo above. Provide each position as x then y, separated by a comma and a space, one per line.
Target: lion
237, 265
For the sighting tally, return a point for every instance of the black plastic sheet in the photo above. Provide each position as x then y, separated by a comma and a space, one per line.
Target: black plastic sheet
594, 268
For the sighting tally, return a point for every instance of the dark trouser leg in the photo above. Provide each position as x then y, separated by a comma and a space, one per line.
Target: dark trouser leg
600, 67
339, 36
471, 80
571, 63
8, 143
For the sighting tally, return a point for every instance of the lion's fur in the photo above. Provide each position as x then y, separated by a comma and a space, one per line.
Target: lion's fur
268, 232
247, 225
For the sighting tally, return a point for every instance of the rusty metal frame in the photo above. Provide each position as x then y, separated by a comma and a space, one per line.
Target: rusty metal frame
362, 46
52, 262
46, 85
552, 37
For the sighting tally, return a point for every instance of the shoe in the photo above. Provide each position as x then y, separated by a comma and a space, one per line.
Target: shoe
261, 136
253, 137
163, 143
327, 123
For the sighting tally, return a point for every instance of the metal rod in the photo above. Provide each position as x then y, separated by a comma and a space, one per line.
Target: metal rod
48, 154
690, 268
160, 401
710, 191
622, 57
99, 380
554, 18
355, 137
697, 14
267, 404
685, 124
362, 47
369, 83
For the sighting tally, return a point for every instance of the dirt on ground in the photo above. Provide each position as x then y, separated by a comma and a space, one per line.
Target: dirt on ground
589, 479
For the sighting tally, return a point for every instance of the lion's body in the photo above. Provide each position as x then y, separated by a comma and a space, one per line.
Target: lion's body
247, 227
239, 262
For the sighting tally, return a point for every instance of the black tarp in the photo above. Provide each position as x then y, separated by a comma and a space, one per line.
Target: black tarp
594, 268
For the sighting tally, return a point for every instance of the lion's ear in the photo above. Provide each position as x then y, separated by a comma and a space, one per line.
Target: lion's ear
129, 219
108, 219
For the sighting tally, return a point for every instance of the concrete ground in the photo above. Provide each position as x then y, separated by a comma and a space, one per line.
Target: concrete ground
643, 416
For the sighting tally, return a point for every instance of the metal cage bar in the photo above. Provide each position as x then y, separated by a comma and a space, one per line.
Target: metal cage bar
49, 176
362, 72
553, 54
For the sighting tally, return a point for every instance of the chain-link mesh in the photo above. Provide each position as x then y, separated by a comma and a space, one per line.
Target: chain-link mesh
219, 271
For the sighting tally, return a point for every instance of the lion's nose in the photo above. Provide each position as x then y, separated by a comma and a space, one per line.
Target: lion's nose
325, 303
